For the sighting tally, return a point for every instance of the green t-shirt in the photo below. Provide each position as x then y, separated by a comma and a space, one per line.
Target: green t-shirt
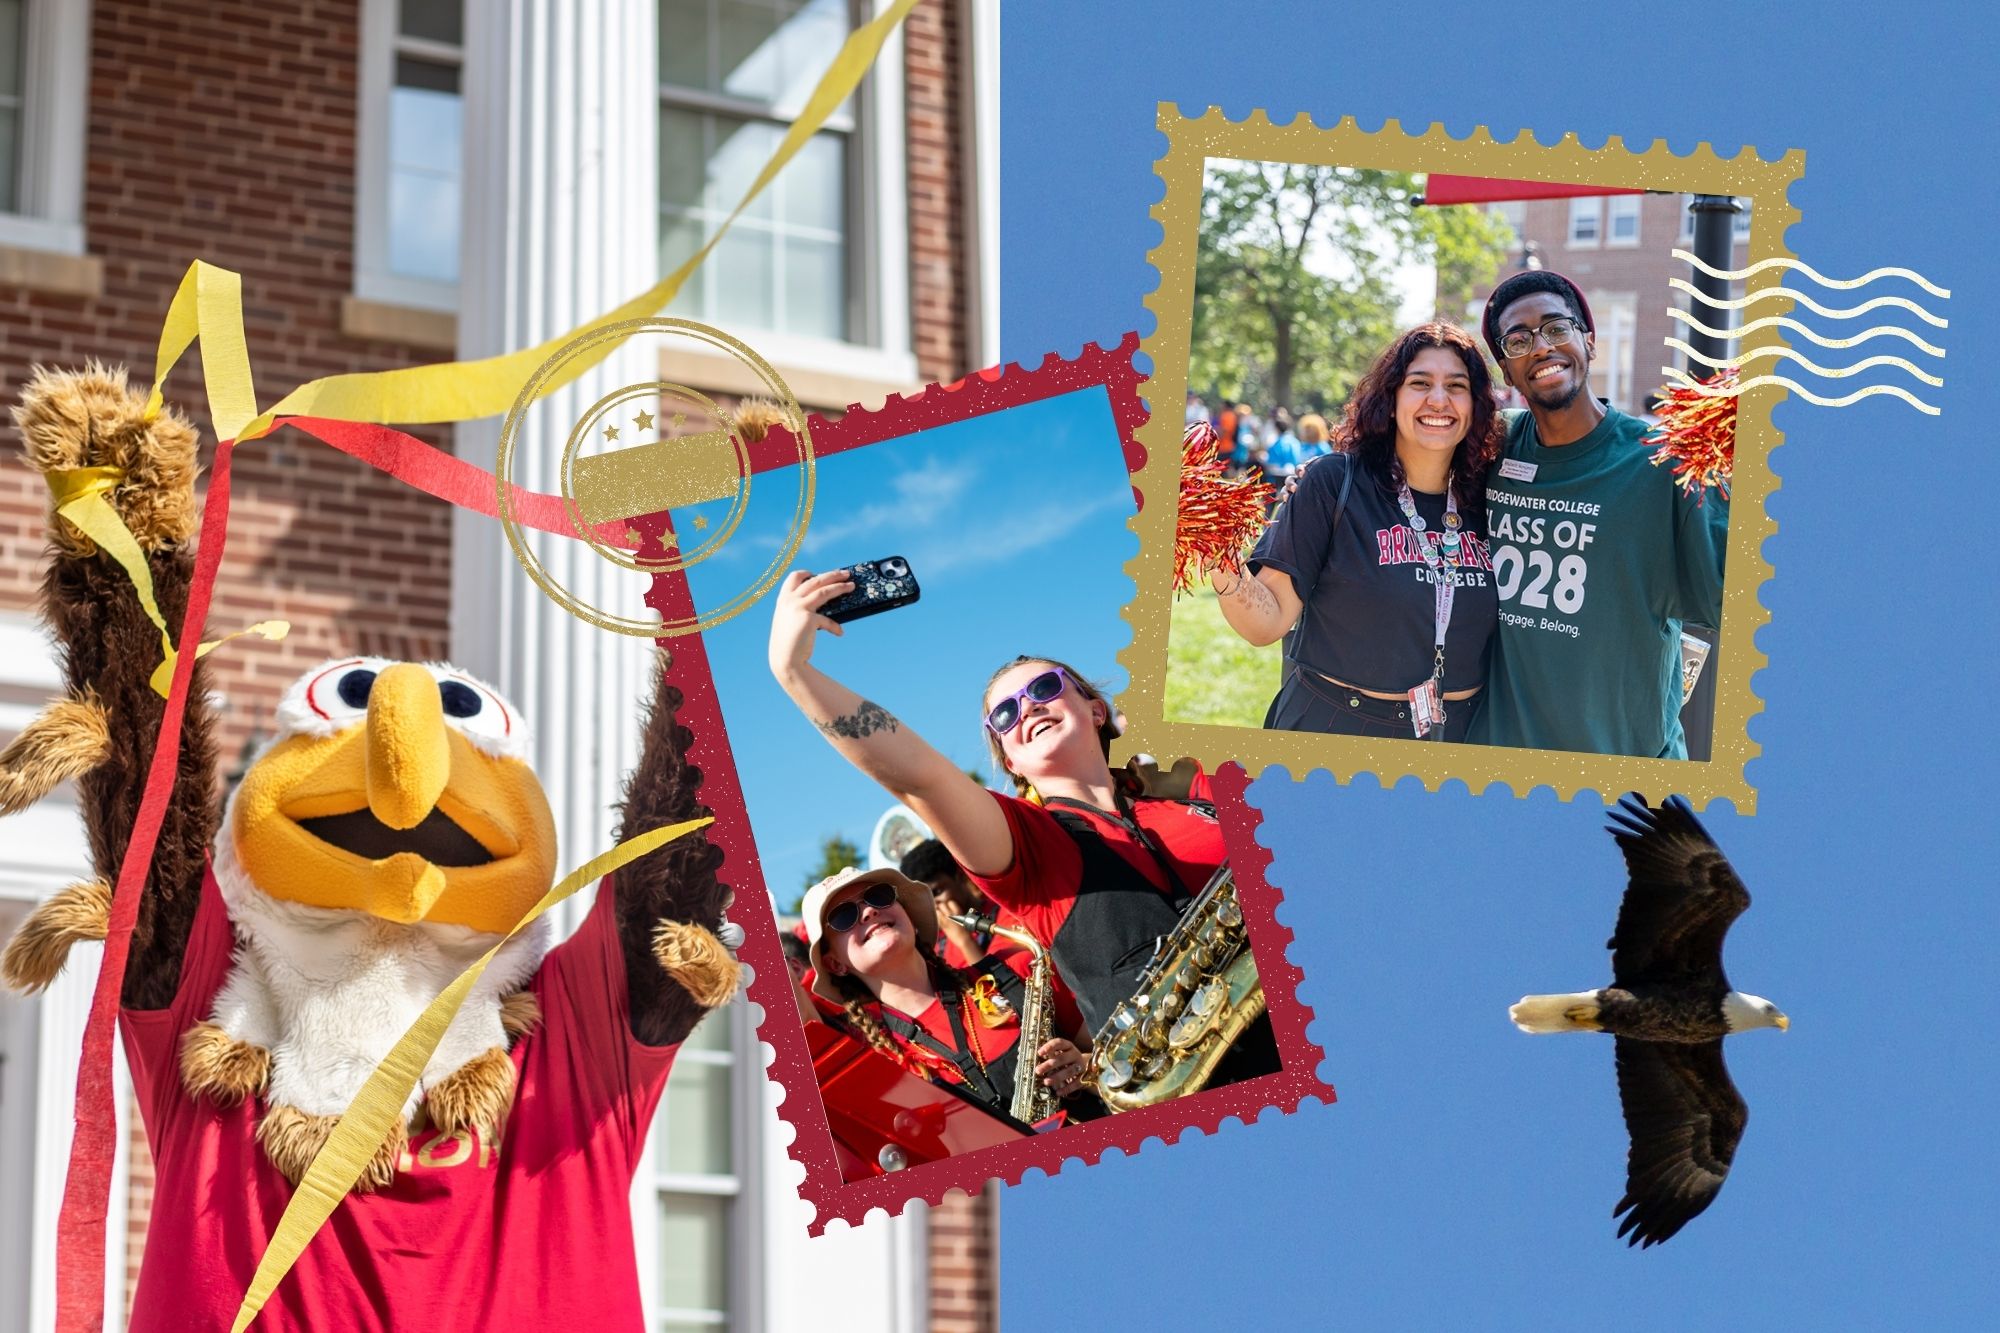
1599, 558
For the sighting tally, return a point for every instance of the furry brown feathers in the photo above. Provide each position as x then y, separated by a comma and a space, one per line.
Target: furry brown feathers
66, 740
36, 954
95, 418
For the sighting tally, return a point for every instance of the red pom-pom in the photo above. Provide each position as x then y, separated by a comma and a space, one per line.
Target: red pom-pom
1697, 433
1219, 517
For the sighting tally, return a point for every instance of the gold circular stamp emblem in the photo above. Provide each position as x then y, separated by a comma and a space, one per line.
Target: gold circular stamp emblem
647, 448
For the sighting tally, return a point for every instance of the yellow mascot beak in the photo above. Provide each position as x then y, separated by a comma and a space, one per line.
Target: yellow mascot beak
400, 816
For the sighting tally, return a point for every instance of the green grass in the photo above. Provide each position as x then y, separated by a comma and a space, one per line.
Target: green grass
1213, 676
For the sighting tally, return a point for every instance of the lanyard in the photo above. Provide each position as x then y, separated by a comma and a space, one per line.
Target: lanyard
1442, 561
952, 1000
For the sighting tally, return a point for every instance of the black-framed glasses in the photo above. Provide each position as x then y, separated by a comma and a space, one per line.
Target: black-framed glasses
843, 918
1045, 688
1554, 332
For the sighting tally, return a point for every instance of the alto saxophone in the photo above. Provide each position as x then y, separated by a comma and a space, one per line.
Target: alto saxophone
1033, 1102
1195, 998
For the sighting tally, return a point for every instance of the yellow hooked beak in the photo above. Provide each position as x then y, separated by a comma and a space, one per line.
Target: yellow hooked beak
1784, 1023
400, 816
409, 749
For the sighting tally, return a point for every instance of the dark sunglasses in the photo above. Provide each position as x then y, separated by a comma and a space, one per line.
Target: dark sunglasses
843, 918
1045, 688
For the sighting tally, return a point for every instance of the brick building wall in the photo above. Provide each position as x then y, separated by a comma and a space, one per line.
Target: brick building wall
225, 130
1610, 273
964, 1258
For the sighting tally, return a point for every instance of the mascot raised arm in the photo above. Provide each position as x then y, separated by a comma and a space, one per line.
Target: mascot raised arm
389, 835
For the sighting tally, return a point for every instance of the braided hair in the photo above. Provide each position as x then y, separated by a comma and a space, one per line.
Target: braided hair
856, 997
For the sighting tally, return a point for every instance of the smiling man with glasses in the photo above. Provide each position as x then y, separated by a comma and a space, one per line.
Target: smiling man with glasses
1598, 555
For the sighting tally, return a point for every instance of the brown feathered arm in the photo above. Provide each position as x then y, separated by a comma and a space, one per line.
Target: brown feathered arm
104, 732
670, 904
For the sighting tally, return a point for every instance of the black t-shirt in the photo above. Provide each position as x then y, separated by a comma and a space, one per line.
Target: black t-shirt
1370, 615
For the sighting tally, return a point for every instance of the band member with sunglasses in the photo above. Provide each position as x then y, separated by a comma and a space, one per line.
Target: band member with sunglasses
873, 938
1598, 555
1376, 571
1097, 874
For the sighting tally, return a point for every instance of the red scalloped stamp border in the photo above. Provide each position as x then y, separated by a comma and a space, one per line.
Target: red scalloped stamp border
833, 1198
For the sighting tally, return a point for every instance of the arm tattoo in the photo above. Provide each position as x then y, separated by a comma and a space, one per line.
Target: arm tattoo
865, 720
1251, 590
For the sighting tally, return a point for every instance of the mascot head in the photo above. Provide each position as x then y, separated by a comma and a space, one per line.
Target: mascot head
401, 790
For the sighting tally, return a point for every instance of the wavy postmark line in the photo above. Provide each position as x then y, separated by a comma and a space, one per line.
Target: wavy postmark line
1843, 284
1781, 322
1687, 381
1831, 372
1789, 294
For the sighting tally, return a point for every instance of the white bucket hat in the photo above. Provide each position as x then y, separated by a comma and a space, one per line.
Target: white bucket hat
914, 897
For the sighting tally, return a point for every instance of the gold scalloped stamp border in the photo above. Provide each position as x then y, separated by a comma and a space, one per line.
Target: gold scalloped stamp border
1190, 142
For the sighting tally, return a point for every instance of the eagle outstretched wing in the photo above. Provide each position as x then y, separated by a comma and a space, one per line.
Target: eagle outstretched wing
1680, 897
1685, 1118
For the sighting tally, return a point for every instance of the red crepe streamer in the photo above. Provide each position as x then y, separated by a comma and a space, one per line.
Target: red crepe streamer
1218, 517
1697, 434
87, 1189
80, 1240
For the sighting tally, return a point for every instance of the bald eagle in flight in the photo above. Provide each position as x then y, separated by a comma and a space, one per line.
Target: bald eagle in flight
1669, 1005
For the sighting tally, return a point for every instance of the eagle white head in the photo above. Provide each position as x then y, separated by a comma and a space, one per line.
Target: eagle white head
1743, 1012
398, 789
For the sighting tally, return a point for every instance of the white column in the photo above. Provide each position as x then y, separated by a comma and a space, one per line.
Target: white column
561, 223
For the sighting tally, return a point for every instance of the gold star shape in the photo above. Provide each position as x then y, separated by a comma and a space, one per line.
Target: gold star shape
670, 541
633, 536
680, 419
611, 432
700, 522
644, 421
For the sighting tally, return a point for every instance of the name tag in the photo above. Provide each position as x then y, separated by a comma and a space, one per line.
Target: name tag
1515, 469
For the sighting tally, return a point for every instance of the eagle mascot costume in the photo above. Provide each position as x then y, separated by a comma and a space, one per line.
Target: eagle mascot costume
390, 833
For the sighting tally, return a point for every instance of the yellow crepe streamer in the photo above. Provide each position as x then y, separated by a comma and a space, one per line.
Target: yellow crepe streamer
209, 305
379, 1104
465, 390
80, 497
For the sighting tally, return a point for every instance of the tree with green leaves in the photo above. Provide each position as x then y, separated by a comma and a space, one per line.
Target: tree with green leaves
836, 853
1294, 267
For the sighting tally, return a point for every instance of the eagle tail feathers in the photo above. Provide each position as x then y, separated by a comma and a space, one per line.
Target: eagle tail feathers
1575, 1012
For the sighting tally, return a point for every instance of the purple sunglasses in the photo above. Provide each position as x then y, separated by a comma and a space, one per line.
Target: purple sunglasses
1045, 688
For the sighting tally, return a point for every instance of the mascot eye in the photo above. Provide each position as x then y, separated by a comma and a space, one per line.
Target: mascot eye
354, 686
460, 699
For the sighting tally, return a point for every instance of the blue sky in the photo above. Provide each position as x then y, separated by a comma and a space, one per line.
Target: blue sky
1014, 525
1467, 1176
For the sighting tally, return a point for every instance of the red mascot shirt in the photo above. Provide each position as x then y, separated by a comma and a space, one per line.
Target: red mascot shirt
532, 1232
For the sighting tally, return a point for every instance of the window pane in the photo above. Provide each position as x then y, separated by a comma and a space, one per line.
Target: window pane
815, 288
684, 43
433, 20
813, 189
741, 150
711, 1034
10, 48
745, 264
10, 137
679, 238
751, 53
694, 1237
428, 75
810, 39
425, 130
691, 1135
683, 159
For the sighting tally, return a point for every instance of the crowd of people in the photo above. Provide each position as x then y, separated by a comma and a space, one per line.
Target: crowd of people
1454, 570
1272, 446
1083, 859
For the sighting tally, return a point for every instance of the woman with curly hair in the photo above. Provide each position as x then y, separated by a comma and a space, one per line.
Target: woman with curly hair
1378, 564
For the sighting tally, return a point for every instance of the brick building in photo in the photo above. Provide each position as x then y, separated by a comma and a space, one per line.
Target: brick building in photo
408, 181
1619, 249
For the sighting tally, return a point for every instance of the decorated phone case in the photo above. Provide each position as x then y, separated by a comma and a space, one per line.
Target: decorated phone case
879, 585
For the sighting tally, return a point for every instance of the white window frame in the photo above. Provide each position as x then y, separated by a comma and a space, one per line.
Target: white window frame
1619, 207
743, 1187
879, 345
374, 280
1686, 233
1588, 208
55, 120
1617, 316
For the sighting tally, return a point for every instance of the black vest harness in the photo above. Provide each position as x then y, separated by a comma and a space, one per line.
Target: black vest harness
1119, 915
994, 1087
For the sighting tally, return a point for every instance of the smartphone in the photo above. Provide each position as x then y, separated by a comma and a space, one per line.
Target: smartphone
879, 585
